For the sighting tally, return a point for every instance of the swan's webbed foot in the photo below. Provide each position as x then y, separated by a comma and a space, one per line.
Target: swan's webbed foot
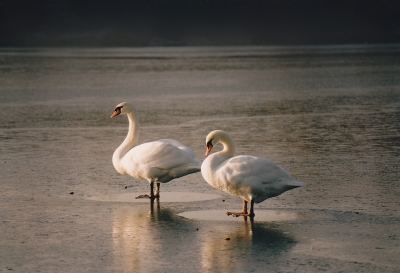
146, 196
152, 196
237, 214
244, 210
142, 196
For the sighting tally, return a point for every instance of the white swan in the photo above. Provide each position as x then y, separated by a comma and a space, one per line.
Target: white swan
254, 179
157, 162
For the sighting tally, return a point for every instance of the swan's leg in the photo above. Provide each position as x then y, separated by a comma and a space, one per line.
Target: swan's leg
152, 190
251, 214
244, 210
157, 195
151, 196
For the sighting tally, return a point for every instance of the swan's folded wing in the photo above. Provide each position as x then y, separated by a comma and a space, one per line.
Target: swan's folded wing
158, 155
254, 170
249, 175
180, 145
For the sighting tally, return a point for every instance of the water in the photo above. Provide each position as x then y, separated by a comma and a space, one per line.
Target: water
328, 114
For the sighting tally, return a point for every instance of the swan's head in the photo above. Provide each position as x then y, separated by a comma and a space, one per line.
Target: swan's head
215, 137
122, 108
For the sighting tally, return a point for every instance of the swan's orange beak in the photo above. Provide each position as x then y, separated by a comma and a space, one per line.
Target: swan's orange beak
209, 147
116, 113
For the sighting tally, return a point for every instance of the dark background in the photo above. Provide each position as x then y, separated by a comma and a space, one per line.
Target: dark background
197, 22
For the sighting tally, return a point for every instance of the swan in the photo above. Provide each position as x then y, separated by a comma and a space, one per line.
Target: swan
157, 162
251, 178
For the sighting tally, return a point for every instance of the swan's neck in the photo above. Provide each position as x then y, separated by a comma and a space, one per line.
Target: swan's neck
212, 163
229, 146
130, 140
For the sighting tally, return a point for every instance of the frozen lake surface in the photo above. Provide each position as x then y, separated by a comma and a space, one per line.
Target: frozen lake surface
327, 114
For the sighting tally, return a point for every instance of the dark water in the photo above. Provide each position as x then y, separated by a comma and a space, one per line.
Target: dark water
330, 115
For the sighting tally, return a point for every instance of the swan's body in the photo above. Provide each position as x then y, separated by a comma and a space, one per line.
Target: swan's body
251, 178
157, 162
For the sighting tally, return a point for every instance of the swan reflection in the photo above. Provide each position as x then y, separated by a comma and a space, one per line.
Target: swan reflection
150, 239
236, 248
146, 237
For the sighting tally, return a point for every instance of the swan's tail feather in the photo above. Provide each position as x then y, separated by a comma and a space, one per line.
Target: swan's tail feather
294, 183
188, 169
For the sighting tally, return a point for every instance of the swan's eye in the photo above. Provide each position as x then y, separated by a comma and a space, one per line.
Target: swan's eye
118, 108
209, 143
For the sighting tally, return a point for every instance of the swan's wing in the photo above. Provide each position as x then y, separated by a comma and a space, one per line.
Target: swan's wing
180, 145
252, 169
160, 161
255, 177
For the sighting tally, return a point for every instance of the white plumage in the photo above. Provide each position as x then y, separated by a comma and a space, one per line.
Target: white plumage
157, 162
251, 178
